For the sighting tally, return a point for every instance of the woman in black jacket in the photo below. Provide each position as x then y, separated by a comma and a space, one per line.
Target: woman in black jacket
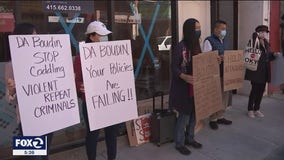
181, 91
262, 75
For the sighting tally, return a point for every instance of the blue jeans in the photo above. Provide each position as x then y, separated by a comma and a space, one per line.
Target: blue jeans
184, 128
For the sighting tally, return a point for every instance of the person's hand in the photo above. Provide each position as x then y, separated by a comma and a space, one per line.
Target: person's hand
11, 86
187, 78
220, 59
82, 88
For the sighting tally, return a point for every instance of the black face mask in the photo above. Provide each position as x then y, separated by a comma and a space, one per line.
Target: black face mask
197, 34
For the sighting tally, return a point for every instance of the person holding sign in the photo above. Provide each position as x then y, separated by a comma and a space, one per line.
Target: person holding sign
11, 94
181, 91
262, 75
217, 42
96, 32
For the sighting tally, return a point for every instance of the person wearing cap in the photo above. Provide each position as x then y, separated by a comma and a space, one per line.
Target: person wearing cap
96, 32
261, 76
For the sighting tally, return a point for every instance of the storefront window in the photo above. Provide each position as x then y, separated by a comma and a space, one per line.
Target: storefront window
151, 41
47, 21
7, 20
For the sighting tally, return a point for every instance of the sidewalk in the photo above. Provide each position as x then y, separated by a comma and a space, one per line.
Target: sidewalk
245, 139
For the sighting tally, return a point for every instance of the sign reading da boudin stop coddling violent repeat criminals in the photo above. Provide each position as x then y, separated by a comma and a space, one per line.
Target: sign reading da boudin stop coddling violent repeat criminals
45, 85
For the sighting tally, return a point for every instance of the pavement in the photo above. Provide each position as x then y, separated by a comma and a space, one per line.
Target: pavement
245, 139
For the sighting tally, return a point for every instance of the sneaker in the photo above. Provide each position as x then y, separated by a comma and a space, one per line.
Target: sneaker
251, 114
258, 114
213, 125
194, 144
183, 150
224, 121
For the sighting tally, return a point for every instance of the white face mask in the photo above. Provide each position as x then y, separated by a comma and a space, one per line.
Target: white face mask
103, 38
223, 33
262, 35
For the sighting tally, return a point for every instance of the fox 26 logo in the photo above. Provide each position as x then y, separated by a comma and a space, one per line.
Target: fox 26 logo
29, 143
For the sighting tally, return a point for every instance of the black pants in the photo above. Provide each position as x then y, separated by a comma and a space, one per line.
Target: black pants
49, 141
255, 97
92, 138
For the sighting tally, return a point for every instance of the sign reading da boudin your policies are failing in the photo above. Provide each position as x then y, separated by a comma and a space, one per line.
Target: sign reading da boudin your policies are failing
45, 85
108, 78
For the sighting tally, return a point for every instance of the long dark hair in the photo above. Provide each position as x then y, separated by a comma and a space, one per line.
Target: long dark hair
24, 28
190, 40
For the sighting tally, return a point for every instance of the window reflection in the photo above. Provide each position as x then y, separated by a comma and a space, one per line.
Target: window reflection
153, 75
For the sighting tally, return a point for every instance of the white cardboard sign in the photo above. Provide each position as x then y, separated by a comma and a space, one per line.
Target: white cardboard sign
108, 77
45, 85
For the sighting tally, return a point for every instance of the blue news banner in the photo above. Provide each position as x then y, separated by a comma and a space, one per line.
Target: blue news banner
29, 145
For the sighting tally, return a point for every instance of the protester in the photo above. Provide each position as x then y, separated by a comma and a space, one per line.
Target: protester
11, 94
181, 91
96, 32
217, 42
262, 75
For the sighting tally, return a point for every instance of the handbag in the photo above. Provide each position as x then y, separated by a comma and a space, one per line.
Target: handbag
252, 55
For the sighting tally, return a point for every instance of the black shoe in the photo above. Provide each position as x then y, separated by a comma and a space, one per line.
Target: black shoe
183, 150
213, 125
224, 121
194, 144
